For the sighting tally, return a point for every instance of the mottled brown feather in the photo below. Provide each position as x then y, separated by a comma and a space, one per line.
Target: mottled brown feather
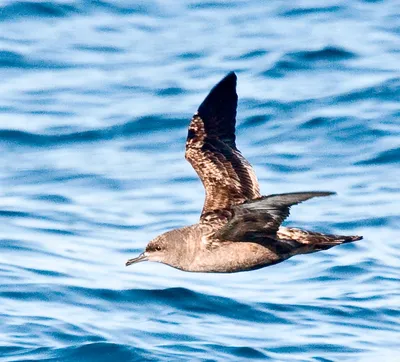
227, 176
310, 237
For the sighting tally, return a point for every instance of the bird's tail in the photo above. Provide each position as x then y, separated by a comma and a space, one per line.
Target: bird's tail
315, 241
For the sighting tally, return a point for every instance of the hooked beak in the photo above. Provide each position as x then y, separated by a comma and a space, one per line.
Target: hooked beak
141, 257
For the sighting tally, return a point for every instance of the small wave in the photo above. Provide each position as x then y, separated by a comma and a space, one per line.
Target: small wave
170, 91
383, 158
11, 59
214, 5
101, 351
306, 60
99, 49
122, 7
295, 12
253, 54
98, 351
138, 126
47, 9
283, 66
328, 53
190, 55
35, 9
246, 353
192, 303
385, 90
56, 199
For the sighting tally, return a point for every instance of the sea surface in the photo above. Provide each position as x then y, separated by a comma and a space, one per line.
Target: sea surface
95, 100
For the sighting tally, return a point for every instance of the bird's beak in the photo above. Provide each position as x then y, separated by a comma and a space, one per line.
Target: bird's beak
141, 257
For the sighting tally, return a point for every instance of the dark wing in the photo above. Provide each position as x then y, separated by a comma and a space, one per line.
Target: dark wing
227, 177
258, 219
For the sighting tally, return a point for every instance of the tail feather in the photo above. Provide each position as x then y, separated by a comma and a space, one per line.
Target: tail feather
297, 241
315, 239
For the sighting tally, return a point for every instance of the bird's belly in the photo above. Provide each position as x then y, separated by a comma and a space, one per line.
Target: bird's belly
231, 257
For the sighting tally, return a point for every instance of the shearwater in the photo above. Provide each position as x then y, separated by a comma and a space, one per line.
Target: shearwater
239, 229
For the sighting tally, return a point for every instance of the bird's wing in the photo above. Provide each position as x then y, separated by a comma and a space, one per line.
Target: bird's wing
259, 219
227, 176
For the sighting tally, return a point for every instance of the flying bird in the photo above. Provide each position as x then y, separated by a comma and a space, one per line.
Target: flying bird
239, 229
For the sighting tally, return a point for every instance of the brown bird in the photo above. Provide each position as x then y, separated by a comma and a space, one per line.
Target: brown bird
239, 229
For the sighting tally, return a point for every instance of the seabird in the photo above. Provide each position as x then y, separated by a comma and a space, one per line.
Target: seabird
239, 229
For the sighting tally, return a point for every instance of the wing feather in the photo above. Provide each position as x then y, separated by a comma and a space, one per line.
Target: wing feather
257, 219
227, 176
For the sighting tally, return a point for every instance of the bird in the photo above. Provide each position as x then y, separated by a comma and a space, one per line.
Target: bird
239, 229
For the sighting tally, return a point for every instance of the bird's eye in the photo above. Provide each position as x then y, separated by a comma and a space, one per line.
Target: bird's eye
151, 248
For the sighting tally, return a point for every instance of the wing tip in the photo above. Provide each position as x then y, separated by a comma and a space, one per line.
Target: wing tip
288, 199
300, 193
231, 76
228, 82
313, 193
323, 193
224, 90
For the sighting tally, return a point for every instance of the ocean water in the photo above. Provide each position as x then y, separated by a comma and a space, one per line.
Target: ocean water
95, 100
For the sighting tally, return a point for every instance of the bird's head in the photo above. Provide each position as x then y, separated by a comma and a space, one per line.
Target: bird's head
155, 251
167, 248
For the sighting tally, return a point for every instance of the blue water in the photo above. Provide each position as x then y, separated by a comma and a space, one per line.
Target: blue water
95, 100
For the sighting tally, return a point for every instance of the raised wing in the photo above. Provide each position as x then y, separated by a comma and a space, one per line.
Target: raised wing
227, 177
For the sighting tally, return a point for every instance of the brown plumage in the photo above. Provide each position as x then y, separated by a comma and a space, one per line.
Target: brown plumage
211, 149
238, 229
